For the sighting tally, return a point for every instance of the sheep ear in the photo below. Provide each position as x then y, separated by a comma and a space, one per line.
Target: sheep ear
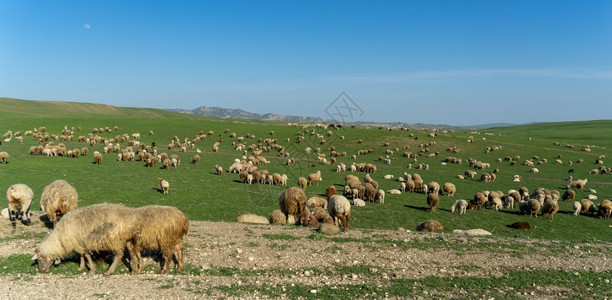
35, 257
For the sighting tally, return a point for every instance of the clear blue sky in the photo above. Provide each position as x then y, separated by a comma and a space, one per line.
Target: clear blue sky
451, 62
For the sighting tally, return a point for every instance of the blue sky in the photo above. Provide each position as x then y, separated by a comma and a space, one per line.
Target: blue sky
446, 62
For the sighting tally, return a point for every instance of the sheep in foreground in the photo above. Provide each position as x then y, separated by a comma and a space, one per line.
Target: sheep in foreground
533, 206
95, 228
57, 199
19, 198
277, 216
164, 185
577, 208
292, 202
340, 208
461, 204
380, 197
430, 226
163, 228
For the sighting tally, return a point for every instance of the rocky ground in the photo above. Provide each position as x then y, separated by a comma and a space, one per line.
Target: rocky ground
232, 260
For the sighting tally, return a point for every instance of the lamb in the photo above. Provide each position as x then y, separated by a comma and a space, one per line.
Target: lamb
95, 228
449, 189
317, 202
292, 202
57, 199
163, 228
19, 198
340, 208
577, 208
165, 185
315, 177
4, 156
380, 197
432, 201
461, 204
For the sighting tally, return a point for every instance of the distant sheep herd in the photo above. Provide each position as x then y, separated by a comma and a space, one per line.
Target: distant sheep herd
163, 227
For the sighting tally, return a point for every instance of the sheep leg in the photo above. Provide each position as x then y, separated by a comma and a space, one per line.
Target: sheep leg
13, 218
179, 254
135, 258
92, 267
346, 223
167, 257
81, 263
116, 260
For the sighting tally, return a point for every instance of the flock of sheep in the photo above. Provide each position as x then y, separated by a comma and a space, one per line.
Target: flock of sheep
116, 227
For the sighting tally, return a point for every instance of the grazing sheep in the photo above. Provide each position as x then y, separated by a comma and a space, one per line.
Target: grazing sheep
605, 209
449, 189
319, 213
4, 157
340, 209
550, 207
588, 206
380, 197
165, 185
316, 202
251, 218
577, 208
497, 203
430, 226
461, 204
534, 171
57, 199
508, 201
358, 202
569, 194
302, 182
292, 202
19, 198
469, 174
520, 225
218, 170
479, 200
433, 187
163, 228
315, 177
517, 178
277, 216
196, 159
95, 228
432, 201
533, 207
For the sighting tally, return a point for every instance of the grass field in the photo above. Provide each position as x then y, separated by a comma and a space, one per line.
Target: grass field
202, 195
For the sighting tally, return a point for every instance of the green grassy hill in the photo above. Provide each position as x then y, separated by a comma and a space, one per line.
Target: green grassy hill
202, 195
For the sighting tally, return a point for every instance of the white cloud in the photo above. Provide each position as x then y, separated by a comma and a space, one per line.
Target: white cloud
87, 26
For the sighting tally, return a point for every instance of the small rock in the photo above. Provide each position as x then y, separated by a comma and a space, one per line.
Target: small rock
239, 251
251, 258
313, 291
354, 276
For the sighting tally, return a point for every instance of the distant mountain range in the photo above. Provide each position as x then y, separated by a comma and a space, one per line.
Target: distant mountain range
230, 113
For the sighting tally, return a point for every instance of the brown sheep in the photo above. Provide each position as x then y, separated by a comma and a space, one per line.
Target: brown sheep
569, 194
302, 182
292, 201
163, 228
479, 200
550, 207
277, 216
533, 206
450, 189
315, 177
520, 225
605, 209
330, 191
430, 226
432, 201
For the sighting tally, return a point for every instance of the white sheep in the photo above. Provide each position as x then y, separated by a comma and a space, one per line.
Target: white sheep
394, 192
461, 204
577, 208
19, 198
340, 208
165, 185
534, 171
380, 196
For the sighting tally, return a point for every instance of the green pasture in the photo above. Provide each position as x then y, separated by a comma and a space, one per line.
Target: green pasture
202, 195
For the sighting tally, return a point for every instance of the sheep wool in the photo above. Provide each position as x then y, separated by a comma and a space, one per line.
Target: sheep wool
57, 199
251, 218
340, 208
430, 226
163, 228
19, 198
99, 227
292, 201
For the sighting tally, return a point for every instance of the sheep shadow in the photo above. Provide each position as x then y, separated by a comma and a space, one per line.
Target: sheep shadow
421, 208
159, 190
158, 258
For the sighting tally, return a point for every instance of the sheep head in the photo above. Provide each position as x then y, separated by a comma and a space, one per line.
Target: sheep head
44, 263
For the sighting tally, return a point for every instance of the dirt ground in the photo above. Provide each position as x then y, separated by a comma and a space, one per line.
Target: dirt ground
291, 255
